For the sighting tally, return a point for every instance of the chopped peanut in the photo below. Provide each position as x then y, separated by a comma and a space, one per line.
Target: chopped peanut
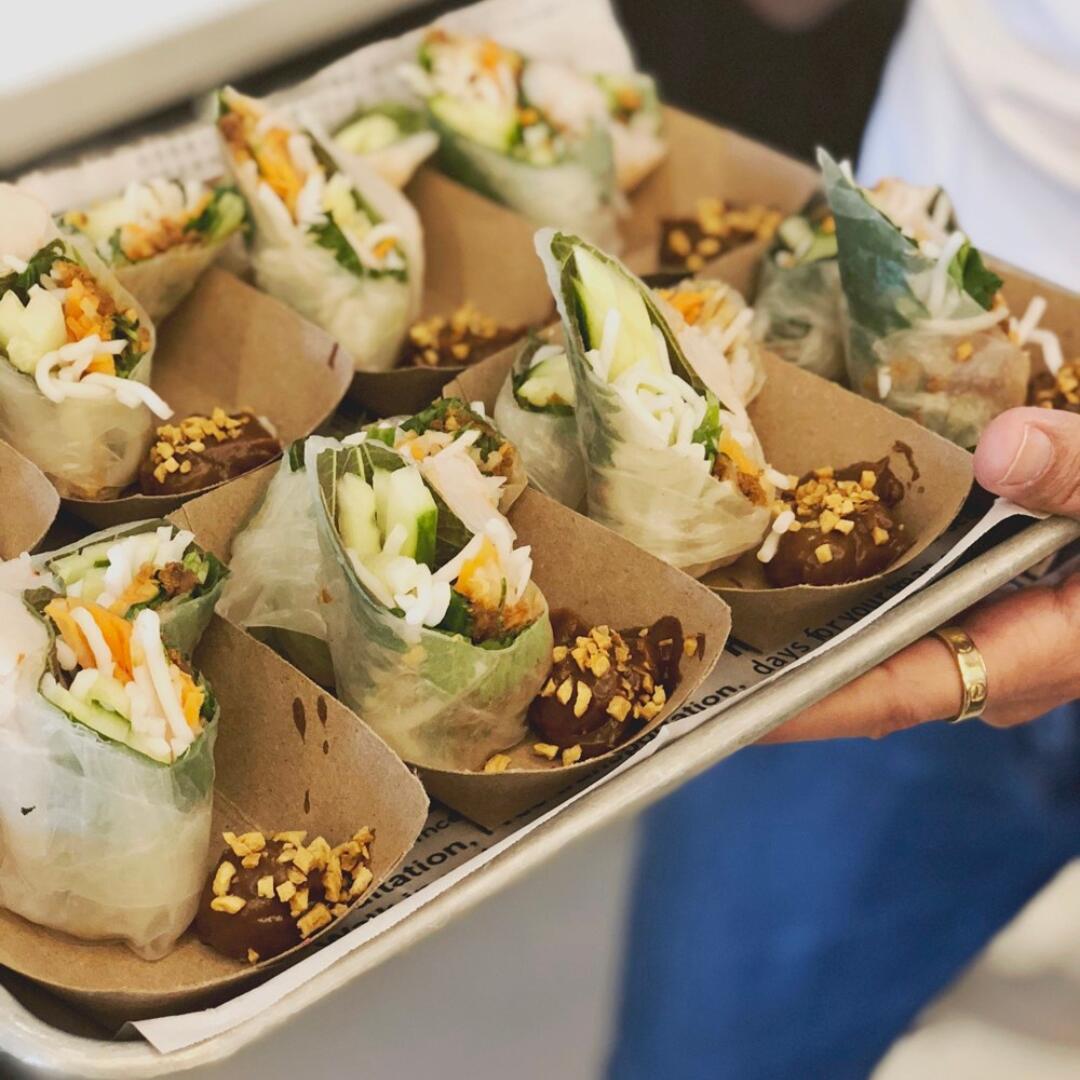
230, 905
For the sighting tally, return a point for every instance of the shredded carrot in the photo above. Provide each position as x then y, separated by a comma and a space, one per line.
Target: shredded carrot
490, 54
115, 630
59, 611
480, 578
102, 363
117, 634
730, 448
277, 168
384, 247
688, 304
141, 589
191, 701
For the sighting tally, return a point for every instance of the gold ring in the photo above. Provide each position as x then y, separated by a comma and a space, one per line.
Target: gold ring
972, 668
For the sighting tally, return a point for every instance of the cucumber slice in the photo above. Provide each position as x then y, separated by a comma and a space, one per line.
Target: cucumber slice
368, 134
108, 693
823, 247
796, 233
549, 383
11, 314
411, 505
380, 482
74, 567
356, 516
105, 722
601, 287
93, 583
486, 124
28, 333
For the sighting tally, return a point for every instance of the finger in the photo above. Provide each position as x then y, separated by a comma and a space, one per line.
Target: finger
919, 683
1032, 456
1029, 644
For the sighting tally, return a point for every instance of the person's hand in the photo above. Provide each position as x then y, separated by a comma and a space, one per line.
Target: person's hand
1029, 640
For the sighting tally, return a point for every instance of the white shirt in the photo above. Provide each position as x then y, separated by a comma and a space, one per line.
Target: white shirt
983, 97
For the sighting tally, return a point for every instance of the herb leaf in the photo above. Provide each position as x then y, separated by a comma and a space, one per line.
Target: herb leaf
40, 264
972, 275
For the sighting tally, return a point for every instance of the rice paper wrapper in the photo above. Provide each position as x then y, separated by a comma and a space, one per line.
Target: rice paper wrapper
577, 194
30, 503
160, 283
547, 443
183, 619
639, 145
651, 494
397, 162
438, 700
89, 449
896, 353
797, 316
274, 586
96, 840
368, 316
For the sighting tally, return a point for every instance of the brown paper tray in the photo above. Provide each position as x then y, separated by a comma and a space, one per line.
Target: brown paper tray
288, 756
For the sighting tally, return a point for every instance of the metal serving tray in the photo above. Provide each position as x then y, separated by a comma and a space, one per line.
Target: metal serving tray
36, 1046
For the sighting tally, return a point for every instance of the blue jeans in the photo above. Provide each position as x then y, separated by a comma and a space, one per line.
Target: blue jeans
797, 905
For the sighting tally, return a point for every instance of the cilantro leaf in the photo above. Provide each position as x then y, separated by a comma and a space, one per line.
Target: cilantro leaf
972, 275
40, 264
708, 431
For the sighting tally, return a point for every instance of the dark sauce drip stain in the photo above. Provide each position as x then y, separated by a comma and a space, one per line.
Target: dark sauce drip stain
299, 717
700, 645
320, 709
307, 802
24, 810
909, 456
326, 746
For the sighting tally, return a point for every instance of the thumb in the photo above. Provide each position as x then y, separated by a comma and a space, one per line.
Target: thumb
1032, 456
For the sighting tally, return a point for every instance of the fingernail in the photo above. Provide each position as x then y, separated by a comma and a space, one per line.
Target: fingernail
1032, 458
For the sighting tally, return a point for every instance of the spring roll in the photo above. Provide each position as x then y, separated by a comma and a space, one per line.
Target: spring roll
797, 311
533, 135
535, 408
394, 140
151, 564
338, 244
439, 637
926, 323
76, 351
671, 463
274, 588
159, 237
106, 768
